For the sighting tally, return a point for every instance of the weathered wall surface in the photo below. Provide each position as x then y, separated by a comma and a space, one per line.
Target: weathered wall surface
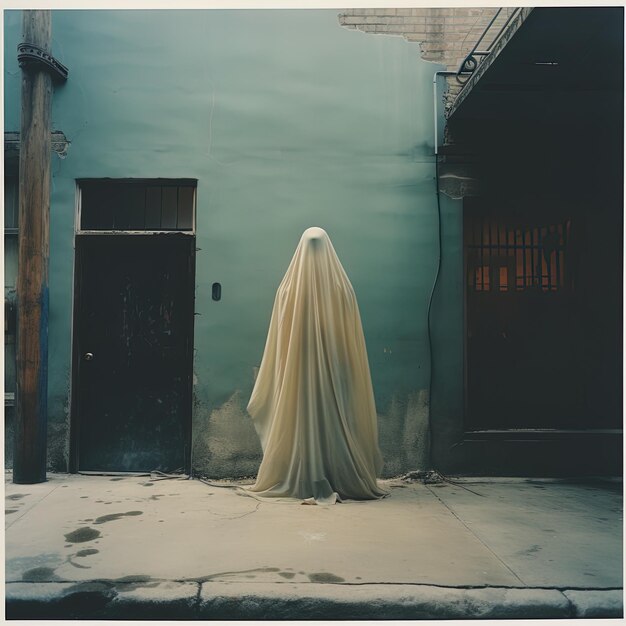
445, 35
287, 120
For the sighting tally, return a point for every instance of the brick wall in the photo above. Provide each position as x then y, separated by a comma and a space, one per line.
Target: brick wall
444, 35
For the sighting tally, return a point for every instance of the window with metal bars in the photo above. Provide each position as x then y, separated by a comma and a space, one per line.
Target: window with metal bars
504, 257
137, 205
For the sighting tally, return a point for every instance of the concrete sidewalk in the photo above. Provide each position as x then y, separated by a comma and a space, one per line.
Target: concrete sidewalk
140, 547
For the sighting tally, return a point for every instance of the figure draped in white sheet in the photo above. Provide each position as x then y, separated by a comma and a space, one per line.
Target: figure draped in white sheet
313, 404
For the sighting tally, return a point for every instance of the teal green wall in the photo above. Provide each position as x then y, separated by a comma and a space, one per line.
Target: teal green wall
287, 120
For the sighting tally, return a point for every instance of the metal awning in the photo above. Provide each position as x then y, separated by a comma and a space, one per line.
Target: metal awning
556, 63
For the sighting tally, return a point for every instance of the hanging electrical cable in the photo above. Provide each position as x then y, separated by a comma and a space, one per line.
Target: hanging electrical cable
429, 429
430, 304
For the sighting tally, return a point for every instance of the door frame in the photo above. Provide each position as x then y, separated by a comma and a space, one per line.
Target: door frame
81, 238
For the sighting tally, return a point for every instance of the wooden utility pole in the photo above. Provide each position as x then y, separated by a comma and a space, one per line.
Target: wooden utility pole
29, 465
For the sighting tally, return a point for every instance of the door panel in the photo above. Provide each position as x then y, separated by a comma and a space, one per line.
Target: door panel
133, 352
523, 347
523, 361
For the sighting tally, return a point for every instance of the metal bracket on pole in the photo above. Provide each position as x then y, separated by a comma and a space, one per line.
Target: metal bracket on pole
29, 55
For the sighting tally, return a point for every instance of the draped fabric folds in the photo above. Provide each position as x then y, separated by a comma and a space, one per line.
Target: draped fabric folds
312, 404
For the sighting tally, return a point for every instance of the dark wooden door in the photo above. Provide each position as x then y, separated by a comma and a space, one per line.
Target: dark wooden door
133, 352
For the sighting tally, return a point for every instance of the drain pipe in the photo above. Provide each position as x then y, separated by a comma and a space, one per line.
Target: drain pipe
429, 430
436, 74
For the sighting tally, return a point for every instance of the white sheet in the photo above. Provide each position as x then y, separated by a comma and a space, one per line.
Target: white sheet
312, 403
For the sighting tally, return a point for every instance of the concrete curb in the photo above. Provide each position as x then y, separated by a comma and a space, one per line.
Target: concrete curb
245, 601
597, 603
378, 602
102, 600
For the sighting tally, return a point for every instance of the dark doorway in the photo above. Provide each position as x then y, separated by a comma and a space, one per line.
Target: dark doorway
132, 354
543, 314
535, 145
524, 361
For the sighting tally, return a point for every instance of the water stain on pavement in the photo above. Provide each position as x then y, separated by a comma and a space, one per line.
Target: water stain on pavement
133, 578
17, 496
88, 586
135, 581
9, 511
133, 586
325, 577
107, 587
103, 519
87, 552
146, 484
208, 577
288, 575
119, 478
81, 535
15, 565
39, 574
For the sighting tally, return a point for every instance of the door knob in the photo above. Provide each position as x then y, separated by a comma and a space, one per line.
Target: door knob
88, 356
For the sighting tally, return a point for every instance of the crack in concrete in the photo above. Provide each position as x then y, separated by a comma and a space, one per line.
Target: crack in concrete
256, 508
225, 517
475, 535
205, 579
571, 609
26, 510
197, 600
